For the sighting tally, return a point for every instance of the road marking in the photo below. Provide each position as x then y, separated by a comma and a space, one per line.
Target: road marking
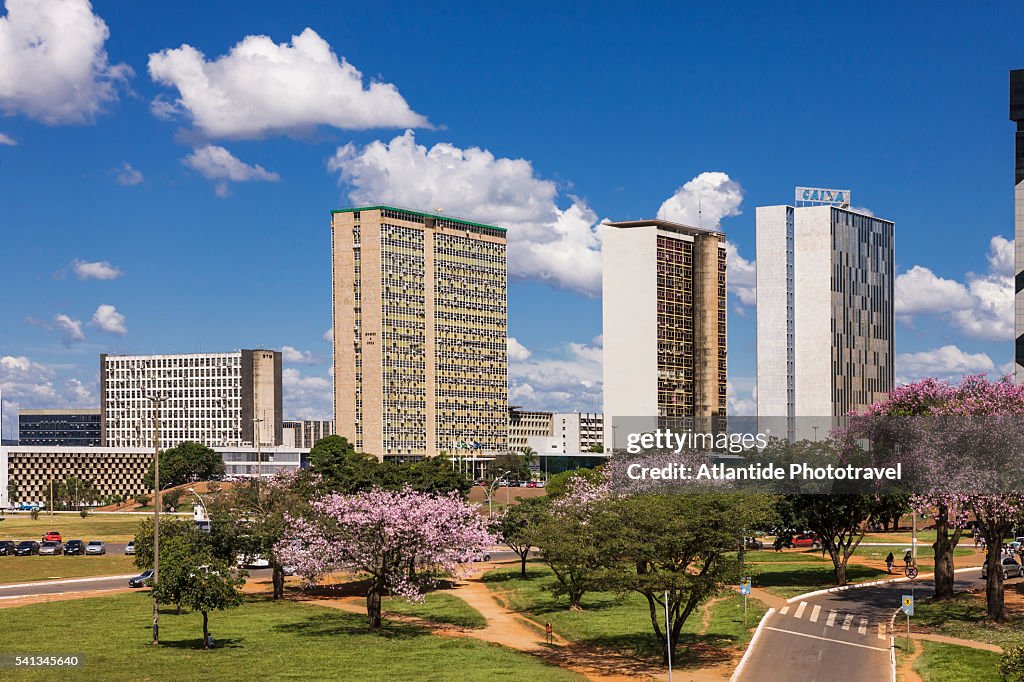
831, 618
814, 613
800, 610
847, 621
881, 631
863, 629
827, 639
784, 610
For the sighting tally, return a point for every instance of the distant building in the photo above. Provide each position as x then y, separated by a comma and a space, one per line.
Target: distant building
825, 310
77, 428
218, 399
664, 307
420, 332
305, 433
1017, 116
522, 424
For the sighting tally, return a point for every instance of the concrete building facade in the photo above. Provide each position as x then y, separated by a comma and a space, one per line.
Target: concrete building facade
1017, 116
825, 313
305, 433
420, 328
664, 308
524, 424
73, 427
217, 399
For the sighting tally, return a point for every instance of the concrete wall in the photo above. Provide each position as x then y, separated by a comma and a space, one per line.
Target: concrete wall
773, 295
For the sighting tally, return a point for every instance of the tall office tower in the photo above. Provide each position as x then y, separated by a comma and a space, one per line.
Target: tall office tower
664, 326
420, 328
1017, 116
59, 427
218, 399
825, 318
304, 433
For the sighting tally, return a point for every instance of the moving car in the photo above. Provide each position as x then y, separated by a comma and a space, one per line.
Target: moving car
95, 547
50, 548
752, 543
26, 548
74, 548
1011, 569
7, 548
129, 549
486, 556
805, 540
52, 536
140, 579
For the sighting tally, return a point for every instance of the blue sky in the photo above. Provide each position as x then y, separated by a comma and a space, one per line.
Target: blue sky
204, 179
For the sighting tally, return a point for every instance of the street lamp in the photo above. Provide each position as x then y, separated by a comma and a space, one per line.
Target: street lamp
256, 421
490, 492
156, 400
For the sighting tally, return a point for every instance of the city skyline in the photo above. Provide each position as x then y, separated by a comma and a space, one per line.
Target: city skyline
207, 231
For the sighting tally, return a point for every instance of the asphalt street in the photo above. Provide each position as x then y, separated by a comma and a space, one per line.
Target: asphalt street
837, 636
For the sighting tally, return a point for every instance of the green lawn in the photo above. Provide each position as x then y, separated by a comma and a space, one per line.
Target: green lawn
952, 663
274, 641
23, 569
439, 607
108, 527
964, 617
623, 624
790, 579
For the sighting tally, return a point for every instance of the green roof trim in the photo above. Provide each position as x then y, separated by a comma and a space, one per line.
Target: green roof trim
438, 216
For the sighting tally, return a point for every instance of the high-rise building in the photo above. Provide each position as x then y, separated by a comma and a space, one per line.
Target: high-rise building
1017, 116
664, 326
305, 433
77, 427
825, 315
218, 399
523, 424
420, 328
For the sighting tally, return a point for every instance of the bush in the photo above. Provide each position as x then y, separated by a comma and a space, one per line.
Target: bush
34, 513
1012, 665
83, 512
142, 500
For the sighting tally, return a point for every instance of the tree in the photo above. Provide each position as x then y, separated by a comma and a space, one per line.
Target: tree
516, 526
428, 475
171, 498
514, 465
187, 463
596, 448
171, 527
73, 492
558, 484
335, 460
403, 540
838, 520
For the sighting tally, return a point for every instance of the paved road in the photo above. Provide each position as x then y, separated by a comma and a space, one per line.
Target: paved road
840, 635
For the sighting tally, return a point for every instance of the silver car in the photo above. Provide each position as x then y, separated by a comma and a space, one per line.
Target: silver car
95, 547
50, 548
129, 549
1011, 569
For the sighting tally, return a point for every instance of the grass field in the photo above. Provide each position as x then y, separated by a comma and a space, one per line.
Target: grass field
438, 607
108, 527
621, 624
952, 663
24, 569
790, 579
964, 617
274, 641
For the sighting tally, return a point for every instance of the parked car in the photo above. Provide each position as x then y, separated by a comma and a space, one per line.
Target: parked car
96, 547
752, 543
805, 540
1011, 569
531, 484
129, 549
486, 556
50, 548
74, 548
7, 547
541, 484
140, 579
524, 484
26, 548
52, 536
252, 561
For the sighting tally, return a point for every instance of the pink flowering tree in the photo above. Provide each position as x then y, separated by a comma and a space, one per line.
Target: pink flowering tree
403, 540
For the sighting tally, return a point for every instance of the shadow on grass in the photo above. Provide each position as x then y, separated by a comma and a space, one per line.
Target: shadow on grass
507, 576
823, 576
323, 625
197, 644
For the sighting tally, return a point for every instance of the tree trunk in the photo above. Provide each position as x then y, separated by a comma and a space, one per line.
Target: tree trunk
994, 598
206, 631
522, 568
840, 573
278, 577
943, 555
373, 606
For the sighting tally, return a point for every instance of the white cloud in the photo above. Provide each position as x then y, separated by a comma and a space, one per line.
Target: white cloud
69, 328
919, 290
307, 397
569, 380
107, 319
26, 383
7, 140
704, 201
261, 88
79, 392
991, 316
1000, 256
741, 276
545, 242
128, 175
95, 270
741, 403
945, 362
295, 356
329, 336
54, 65
517, 352
216, 163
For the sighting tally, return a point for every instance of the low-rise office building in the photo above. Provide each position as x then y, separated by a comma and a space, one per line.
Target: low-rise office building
306, 432
72, 427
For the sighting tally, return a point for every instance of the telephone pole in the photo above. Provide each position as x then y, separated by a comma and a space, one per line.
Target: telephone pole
259, 456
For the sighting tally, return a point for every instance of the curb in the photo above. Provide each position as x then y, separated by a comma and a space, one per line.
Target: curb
68, 581
872, 583
750, 646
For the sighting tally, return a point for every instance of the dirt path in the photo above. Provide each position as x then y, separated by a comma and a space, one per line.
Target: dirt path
61, 596
905, 672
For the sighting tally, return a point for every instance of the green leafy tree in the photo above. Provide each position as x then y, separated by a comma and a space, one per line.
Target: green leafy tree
73, 492
430, 475
839, 521
515, 464
596, 448
187, 463
171, 527
559, 483
335, 460
516, 526
171, 498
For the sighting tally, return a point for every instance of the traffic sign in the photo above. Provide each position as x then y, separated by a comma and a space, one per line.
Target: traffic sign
744, 585
911, 572
908, 604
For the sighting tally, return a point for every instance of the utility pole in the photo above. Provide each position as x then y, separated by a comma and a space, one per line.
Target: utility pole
259, 457
51, 487
156, 400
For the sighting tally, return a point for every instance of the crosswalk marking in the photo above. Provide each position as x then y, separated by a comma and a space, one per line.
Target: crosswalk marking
831, 618
814, 613
847, 621
881, 631
784, 610
800, 610
863, 629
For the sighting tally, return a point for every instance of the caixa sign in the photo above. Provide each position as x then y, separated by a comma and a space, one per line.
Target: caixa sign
821, 196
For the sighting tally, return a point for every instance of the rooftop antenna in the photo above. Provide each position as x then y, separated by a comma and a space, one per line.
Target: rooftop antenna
700, 212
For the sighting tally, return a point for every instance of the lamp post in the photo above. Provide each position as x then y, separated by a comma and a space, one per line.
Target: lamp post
156, 400
490, 492
256, 421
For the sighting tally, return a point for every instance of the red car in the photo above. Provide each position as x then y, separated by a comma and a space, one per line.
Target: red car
531, 484
52, 536
805, 540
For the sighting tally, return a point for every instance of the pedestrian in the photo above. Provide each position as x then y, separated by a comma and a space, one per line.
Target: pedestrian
908, 558
889, 561
549, 632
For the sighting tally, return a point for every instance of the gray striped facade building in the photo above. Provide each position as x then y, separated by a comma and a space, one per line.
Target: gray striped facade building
1017, 116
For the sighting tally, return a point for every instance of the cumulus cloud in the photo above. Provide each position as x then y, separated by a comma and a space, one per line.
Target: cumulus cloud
26, 383
741, 402
567, 380
218, 164
981, 307
95, 270
517, 351
947, 362
307, 397
329, 336
107, 319
69, 328
7, 140
294, 356
260, 88
54, 65
128, 175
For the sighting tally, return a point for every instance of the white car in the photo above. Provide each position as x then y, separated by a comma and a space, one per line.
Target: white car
129, 549
252, 561
95, 547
